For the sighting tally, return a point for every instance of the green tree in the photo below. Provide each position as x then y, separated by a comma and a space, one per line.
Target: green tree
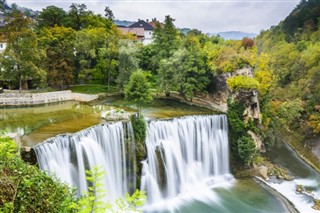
51, 16
108, 13
166, 39
58, 43
138, 89
128, 61
22, 56
77, 16
87, 44
247, 149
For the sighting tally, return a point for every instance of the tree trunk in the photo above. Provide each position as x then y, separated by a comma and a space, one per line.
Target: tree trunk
20, 84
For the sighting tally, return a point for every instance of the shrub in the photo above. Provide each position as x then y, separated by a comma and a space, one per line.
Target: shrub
139, 126
246, 149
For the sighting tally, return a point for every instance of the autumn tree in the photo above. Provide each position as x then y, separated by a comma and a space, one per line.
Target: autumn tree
247, 43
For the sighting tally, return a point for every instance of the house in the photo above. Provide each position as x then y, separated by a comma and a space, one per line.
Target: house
3, 44
141, 29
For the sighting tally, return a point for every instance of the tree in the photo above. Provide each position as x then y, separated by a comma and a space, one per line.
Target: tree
242, 82
138, 89
58, 43
22, 56
87, 44
247, 149
247, 43
128, 61
77, 16
108, 13
165, 38
51, 16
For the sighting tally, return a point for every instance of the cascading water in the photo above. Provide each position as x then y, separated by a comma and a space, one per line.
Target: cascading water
184, 155
108, 146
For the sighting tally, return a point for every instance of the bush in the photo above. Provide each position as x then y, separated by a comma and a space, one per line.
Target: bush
242, 82
139, 126
246, 149
24, 188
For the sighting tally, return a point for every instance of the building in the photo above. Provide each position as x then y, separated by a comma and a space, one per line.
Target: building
3, 44
141, 30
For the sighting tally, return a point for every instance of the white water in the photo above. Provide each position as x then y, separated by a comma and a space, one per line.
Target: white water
193, 152
68, 156
193, 156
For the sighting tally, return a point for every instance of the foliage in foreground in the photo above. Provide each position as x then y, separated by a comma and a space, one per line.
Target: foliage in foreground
25, 188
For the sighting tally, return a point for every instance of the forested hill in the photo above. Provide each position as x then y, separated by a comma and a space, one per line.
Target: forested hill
304, 17
291, 52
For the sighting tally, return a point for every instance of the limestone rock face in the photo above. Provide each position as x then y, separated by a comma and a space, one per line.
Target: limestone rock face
257, 140
115, 115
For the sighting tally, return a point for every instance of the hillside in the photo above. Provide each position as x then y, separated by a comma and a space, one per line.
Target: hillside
291, 52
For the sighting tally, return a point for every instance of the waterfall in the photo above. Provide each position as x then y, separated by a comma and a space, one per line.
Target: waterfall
108, 146
183, 155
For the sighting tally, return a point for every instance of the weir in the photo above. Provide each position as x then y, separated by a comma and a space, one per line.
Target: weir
183, 155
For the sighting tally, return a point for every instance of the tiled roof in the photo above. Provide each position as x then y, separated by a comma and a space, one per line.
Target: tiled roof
141, 24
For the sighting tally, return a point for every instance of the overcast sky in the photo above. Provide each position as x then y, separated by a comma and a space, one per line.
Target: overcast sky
206, 15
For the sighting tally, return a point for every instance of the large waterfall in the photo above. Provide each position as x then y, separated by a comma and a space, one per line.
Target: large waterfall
183, 155
109, 146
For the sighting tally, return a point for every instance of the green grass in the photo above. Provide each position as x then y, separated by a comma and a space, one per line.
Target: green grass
92, 89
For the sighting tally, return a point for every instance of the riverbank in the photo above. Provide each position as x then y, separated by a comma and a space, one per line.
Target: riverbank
295, 142
16, 98
196, 101
288, 204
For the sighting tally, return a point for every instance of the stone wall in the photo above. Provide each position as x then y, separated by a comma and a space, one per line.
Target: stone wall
14, 98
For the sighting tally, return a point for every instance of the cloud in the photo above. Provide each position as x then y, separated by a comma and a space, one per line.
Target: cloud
206, 15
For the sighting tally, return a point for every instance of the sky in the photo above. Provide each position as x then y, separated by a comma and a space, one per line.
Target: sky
209, 16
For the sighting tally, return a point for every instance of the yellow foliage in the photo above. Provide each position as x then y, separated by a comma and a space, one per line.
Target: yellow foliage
242, 82
314, 123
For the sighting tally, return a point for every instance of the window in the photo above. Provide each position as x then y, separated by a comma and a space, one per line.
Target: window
1, 46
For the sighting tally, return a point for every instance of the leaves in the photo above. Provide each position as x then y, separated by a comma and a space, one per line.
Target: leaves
242, 82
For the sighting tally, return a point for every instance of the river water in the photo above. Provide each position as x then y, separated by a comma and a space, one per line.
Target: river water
41, 122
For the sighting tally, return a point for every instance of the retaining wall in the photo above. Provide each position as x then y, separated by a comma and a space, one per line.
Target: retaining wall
14, 98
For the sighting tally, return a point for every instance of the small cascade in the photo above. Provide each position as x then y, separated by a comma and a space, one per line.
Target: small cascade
109, 146
185, 155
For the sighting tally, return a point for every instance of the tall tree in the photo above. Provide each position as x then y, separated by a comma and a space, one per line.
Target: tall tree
58, 43
87, 43
22, 57
51, 16
165, 38
138, 89
128, 61
77, 16
108, 13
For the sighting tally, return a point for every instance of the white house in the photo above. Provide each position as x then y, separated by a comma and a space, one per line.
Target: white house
142, 30
3, 46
